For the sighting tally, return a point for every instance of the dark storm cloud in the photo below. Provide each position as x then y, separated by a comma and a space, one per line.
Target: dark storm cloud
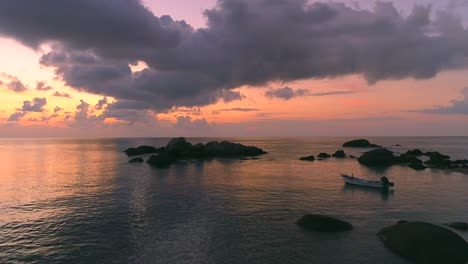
42, 86
246, 42
456, 107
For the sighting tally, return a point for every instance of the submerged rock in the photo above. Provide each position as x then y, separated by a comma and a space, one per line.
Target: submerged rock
339, 154
136, 160
360, 143
458, 225
308, 158
322, 223
379, 157
425, 243
323, 155
141, 150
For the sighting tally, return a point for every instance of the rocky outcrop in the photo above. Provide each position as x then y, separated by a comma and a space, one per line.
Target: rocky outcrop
322, 223
308, 158
180, 148
162, 160
379, 157
414, 152
339, 154
141, 150
323, 155
360, 143
425, 243
417, 165
458, 225
136, 160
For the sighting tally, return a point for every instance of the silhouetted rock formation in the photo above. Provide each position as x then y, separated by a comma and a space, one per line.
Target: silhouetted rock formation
322, 223
162, 160
417, 165
425, 243
414, 152
379, 157
458, 225
141, 150
339, 154
323, 155
179, 148
360, 143
136, 160
308, 158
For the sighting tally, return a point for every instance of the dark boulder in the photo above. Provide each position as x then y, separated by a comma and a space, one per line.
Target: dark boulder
136, 160
162, 160
323, 155
177, 146
339, 154
353, 157
322, 223
458, 225
308, 158
414, 152
438, 160
141, 150
460, 162
379, 157
229, 149
425, 243
360, 143
417, 165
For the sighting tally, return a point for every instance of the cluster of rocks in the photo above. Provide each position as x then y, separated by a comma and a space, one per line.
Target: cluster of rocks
360, 143
416, 241
180, 148
338, 154
385, 157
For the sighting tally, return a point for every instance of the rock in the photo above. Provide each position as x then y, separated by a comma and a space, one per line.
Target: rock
458, 225
229, 149
379, 157
436, 155
438, 160
417, 165
397, 145
323, 223
402, 221
425, 243
323, 155
308, 158
460, 162
162, 160
177, 146
339, 154
414, 152
360, 143
141, 150
136, 160
353, 157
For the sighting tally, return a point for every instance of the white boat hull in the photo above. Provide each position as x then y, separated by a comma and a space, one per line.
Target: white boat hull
361, 182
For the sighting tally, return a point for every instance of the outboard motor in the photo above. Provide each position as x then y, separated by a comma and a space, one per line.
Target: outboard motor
386, 182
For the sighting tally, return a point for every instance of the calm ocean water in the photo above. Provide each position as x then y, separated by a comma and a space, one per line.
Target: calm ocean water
79, 201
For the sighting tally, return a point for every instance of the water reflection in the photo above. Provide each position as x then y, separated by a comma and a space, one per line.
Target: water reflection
385, 194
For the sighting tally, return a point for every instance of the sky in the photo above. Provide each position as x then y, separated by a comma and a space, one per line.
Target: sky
158, 68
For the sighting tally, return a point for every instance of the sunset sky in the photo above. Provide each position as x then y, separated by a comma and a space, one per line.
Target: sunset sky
116, 68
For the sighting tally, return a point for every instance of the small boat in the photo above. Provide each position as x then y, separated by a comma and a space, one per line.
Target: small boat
383, 183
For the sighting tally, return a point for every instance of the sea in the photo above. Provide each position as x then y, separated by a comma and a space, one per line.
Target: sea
80, 201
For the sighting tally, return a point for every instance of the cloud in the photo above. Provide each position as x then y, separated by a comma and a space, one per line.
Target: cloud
36, 105
57, 109
42, 86
17, 86
456, 107
59, 94
236, 109
245, 42
186, 122
101, 103
287, 93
